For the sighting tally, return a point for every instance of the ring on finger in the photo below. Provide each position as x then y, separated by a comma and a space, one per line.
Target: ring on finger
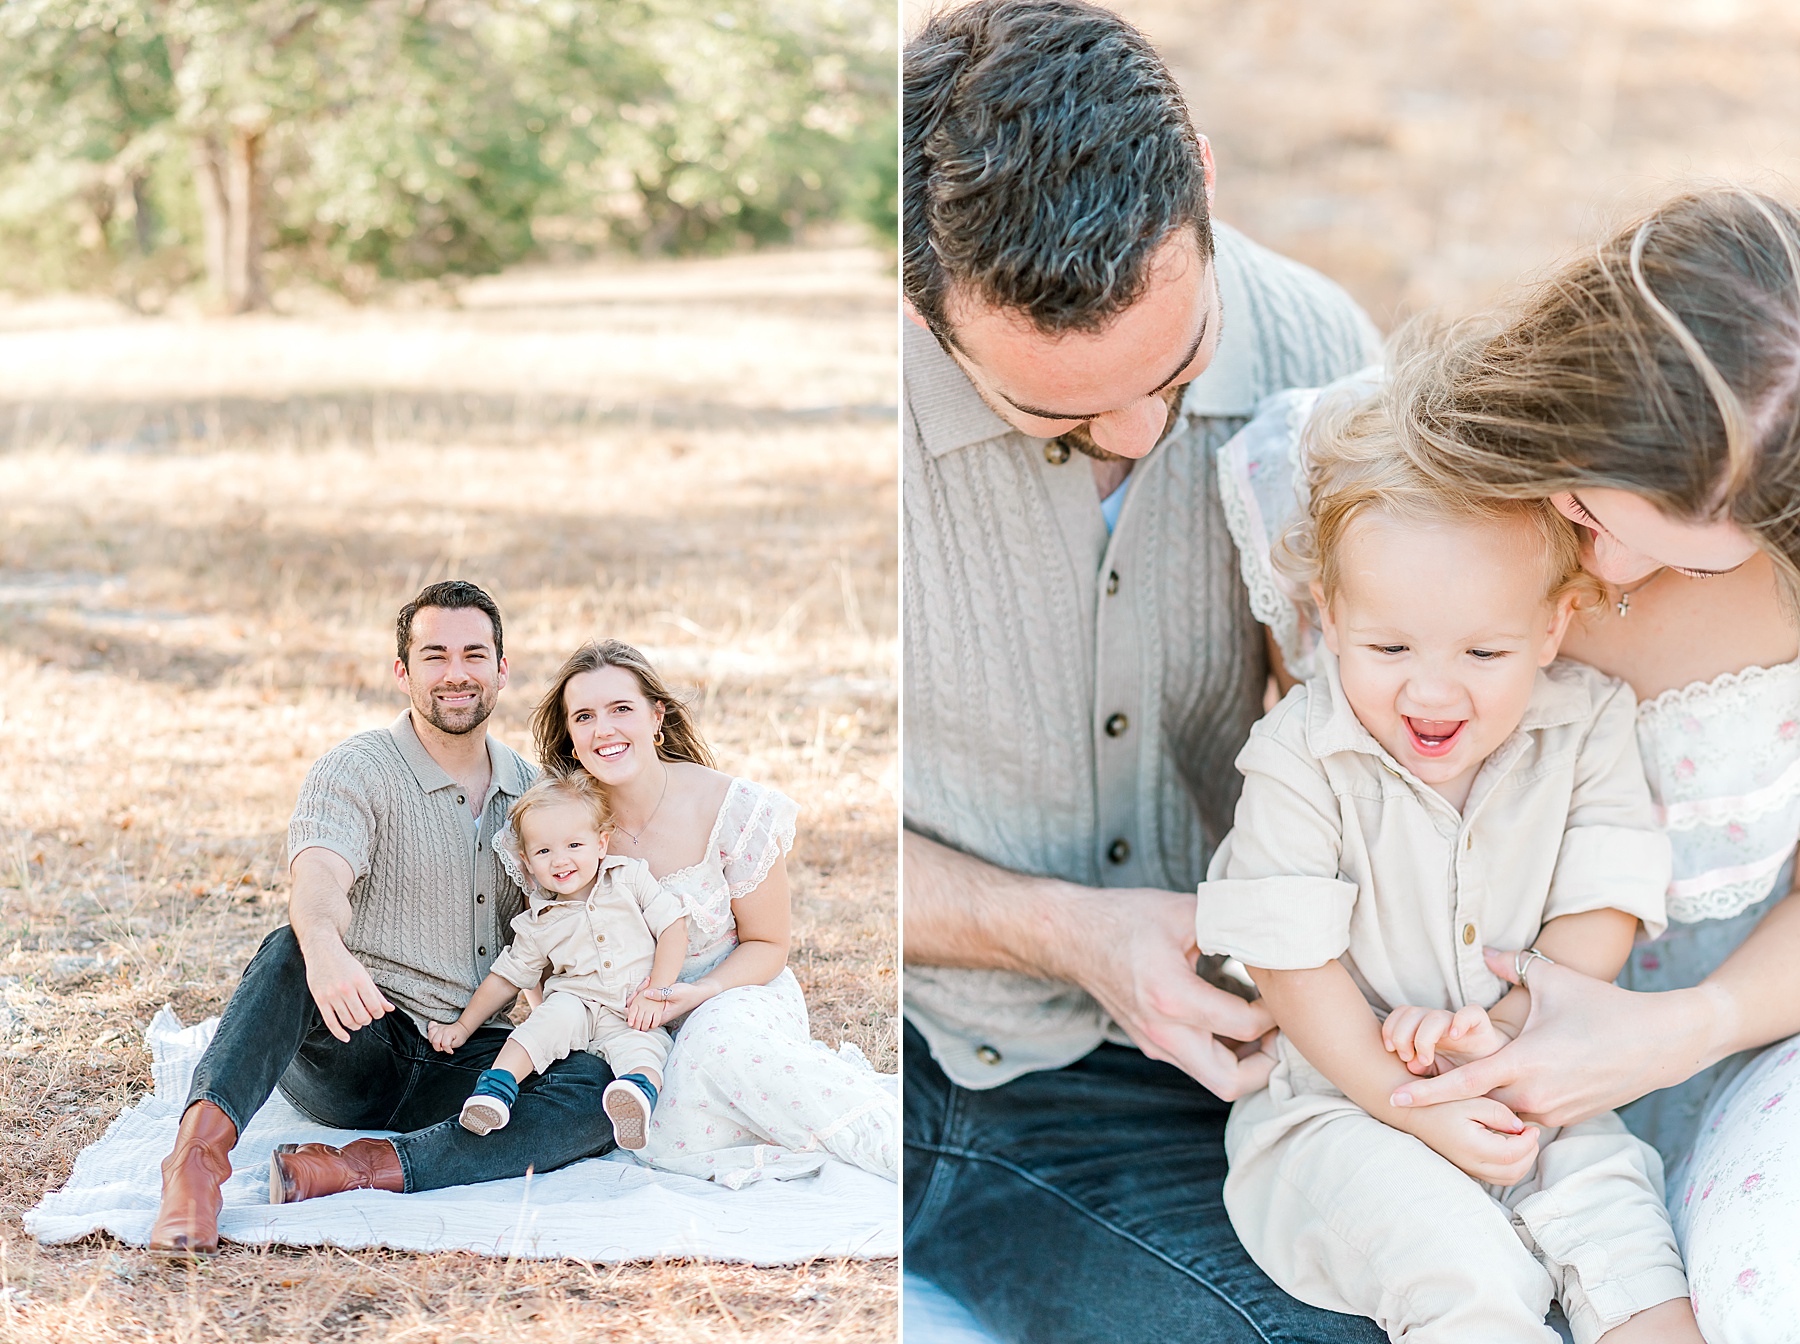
1522, 964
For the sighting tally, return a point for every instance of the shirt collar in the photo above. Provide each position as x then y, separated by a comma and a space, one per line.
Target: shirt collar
506, 766
1557, 699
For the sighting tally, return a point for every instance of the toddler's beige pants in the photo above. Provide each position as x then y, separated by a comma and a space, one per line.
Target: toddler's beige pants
1348, 1214
564, 1022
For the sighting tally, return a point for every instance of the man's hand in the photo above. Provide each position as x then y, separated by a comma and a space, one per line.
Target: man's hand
1480, 1137
347, 996
1422, 1037
446, 1036
1137, 957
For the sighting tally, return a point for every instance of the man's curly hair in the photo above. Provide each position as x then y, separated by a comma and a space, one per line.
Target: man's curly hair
1047, 154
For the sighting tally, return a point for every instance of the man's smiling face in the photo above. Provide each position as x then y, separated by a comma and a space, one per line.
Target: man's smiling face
1112, 393
451, 674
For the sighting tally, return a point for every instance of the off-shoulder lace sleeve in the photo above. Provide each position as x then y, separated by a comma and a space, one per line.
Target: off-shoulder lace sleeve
1262, 484
512, 858
756, 829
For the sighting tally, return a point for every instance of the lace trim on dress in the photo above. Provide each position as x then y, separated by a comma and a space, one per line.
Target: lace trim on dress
767, 835
512, 858
1739, 809
1273, 437
1726, 684
1724, 892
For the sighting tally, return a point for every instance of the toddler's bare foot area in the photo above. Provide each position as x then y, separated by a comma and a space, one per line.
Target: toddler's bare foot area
1670, 1322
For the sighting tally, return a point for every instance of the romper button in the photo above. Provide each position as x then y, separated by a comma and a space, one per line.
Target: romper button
607, 964
987, 1054
600, 937
1112, 583
1119, 850
1468, 934
1470, 842
1056, 452
1116, 725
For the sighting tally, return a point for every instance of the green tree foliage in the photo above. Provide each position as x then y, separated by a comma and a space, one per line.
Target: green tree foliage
144, 143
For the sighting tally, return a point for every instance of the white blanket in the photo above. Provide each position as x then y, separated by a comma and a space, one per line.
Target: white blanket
607, 1208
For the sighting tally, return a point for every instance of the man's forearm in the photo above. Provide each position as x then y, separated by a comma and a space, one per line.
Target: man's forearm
961, 911
318, 903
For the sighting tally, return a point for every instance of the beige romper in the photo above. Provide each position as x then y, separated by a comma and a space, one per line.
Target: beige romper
598, 952
1339, 852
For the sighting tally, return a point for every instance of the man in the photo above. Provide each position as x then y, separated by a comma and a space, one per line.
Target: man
1082, 668
398, 907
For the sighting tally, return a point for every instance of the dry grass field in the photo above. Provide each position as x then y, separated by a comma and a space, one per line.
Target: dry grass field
205, 530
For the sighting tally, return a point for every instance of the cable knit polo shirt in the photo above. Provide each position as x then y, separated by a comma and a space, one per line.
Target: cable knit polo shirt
1074, 699
432, 905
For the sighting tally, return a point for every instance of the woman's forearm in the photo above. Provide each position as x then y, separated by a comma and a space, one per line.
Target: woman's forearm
752, 962
1753, 997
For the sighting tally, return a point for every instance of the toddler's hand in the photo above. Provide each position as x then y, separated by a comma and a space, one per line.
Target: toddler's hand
1480, 1137
446, 1036
1423, 1036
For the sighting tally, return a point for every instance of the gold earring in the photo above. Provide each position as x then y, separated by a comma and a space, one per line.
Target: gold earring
658, 739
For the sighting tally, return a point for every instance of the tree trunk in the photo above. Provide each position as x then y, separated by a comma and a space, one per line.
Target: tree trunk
243, 252
228, 181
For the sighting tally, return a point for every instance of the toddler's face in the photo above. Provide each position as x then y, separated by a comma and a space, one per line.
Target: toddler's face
1439, 632
562, 847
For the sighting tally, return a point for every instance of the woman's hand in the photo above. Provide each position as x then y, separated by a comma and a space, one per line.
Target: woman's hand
650, 1008
1587, 1046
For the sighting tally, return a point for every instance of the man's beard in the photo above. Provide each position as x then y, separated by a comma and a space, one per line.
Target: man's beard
1083, 442
458, 722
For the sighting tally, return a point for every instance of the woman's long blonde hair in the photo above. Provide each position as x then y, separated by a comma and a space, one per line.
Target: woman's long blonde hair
681, 739
1665, 363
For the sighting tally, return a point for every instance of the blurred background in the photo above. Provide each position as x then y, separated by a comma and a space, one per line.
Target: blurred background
152, 148
1430, 156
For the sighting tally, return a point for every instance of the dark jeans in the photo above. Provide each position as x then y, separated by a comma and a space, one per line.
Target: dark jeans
387, 1076
1083, 1206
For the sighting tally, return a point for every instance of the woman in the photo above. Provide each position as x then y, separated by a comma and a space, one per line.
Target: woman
748, 1093
1652, 392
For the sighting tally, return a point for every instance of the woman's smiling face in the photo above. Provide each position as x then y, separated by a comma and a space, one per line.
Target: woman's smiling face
611, 723
1626, 538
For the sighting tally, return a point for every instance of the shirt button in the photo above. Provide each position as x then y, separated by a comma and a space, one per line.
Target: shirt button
461, 799
1119, 850
482, 951
1468, 934
1112, 583
480, 897
987, 1054
1116, 725
1056, 452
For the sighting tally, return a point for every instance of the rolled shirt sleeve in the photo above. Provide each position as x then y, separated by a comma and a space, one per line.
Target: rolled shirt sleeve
523, 960
661, 907
1273, 897
1613, 854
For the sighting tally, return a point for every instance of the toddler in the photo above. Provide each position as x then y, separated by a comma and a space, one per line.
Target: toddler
1441, 786
597, 925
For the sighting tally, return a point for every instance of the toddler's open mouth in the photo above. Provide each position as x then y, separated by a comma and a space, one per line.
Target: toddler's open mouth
1434, 737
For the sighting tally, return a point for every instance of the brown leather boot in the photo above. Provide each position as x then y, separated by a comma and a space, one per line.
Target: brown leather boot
187, 1223
308, 1170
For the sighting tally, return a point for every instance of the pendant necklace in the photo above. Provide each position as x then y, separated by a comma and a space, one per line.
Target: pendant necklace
1626, 594
653, 811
